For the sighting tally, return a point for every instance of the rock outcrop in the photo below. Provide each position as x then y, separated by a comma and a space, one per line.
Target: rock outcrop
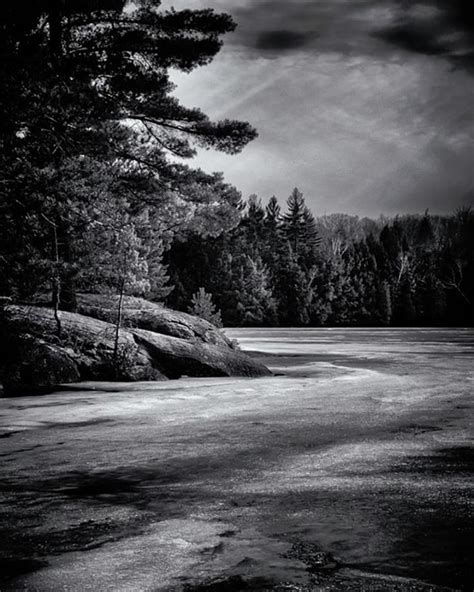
143, 314
155, 344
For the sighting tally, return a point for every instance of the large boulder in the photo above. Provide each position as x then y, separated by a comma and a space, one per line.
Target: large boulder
31, 366
143, 314
34, 359
177, 357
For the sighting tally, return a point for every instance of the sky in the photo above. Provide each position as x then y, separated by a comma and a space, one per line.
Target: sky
367, 106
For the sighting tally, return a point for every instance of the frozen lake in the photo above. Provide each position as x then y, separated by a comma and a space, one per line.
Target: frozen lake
351, 469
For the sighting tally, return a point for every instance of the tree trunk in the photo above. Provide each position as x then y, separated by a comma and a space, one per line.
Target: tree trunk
68, 288
55, 29
68, 294
56, 282
118, 325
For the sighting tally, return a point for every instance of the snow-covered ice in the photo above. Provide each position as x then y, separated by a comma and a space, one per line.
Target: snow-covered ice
361, 446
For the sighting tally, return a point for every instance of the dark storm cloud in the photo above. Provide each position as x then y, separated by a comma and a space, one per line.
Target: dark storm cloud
413, 38
269, 27
378, 28
341, 26
430, 27
444, 27
283, 40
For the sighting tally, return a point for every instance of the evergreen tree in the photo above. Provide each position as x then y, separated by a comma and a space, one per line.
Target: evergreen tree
425, 234
202, 306
113, 255
293, 220
158, 277
310, 240
404, 310
272, 215
255, 303
384, 304
272, 236
431, 300
86, 94
299, 229
251, 227
294, 291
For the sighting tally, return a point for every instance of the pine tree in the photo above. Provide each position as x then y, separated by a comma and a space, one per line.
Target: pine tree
114, 255
256, 305
311, 235
404, 309
293, 220
272, 236
310, 240
202, 306
425, 234
293, 290
75, 76
384, 304
272, 214
158, 277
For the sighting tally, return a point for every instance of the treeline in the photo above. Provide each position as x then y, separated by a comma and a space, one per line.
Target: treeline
288, 268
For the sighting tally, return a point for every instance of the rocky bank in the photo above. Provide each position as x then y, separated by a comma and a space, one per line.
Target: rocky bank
155, 343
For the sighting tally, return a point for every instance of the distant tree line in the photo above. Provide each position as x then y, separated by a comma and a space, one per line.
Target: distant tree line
288, 268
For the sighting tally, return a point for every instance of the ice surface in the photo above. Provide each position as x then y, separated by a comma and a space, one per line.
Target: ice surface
363, 447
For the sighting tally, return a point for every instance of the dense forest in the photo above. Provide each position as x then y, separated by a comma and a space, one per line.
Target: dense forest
96, 195
289, 268
93, 181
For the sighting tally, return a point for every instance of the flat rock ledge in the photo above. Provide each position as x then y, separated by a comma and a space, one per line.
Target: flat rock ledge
156, 344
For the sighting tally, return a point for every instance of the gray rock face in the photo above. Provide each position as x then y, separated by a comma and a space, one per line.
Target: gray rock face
33, 359
177, 357
32, 366
142, 314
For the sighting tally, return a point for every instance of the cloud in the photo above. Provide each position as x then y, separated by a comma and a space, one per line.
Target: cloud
265, 27
444, 28
283, 40
315, 27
